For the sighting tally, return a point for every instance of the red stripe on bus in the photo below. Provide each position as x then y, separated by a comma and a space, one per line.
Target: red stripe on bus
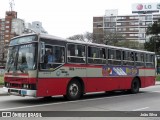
20, 79
16, 74
81, 65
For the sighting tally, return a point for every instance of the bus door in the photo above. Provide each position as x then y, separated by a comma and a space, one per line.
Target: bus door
51, 80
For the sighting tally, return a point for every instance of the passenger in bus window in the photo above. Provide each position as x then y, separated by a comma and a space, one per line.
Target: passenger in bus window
49, 58
23, 64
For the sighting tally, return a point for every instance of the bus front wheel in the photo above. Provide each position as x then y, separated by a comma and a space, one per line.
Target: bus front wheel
74, 90
135, 86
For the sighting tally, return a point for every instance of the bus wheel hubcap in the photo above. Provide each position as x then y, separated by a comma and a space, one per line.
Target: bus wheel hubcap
73, 90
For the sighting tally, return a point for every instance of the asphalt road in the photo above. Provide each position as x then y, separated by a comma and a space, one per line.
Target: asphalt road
147, 100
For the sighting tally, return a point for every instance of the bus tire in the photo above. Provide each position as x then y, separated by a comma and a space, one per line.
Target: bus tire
74, 90
135, 86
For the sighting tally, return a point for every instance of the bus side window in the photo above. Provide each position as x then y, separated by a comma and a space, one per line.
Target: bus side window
111, 56
94, 55
59, 54
149, 61
118, 54
70, 52
76, 53
139, 59
132, 56
53, 57
103, 55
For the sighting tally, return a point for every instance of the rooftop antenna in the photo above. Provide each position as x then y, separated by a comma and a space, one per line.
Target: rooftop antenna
11, 5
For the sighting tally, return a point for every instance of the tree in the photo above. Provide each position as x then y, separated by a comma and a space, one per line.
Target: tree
154, 42
87, 37
108, 38
112, 38
130, 44
154, 29
79, 37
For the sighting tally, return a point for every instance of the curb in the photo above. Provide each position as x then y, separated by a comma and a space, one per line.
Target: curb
4, 94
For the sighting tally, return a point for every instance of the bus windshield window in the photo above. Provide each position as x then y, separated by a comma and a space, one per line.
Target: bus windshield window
11, 58
26, 55
21, 58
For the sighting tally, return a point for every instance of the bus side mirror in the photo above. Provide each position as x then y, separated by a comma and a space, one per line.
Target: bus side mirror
42, 52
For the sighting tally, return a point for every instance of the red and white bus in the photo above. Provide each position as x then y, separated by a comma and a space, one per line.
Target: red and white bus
78, 67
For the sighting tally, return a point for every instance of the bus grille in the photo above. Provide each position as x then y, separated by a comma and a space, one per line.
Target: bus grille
15, 85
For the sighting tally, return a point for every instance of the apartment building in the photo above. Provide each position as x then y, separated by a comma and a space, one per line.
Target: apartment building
131, 27
10, 26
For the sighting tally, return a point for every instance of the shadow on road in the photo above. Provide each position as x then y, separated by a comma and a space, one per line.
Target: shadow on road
58, 99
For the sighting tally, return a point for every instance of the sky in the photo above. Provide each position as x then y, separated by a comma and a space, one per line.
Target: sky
65, 18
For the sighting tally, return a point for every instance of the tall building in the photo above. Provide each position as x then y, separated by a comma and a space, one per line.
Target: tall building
2, 31
131, 27
10, 26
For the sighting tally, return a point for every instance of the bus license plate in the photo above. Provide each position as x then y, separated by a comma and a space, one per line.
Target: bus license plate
23, 92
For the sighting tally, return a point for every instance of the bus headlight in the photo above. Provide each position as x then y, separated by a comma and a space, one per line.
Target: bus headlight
7, 84
25, 86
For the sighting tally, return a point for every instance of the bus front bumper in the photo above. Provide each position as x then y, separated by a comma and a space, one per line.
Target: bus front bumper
20, 92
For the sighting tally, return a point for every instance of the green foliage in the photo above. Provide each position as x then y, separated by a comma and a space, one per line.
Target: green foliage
154, 29
154, 42
158, 77
1, 80
130, 44
112, 38
109, 38
79, 37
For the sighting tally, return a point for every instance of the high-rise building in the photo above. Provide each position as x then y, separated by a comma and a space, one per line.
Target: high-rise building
10, 26
131, 27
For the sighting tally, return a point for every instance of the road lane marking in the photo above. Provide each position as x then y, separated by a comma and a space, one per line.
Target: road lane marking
157, 91
13, 108
140, 109
153, 91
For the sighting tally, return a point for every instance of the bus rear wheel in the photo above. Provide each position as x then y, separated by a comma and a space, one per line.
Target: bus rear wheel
74, 90
135, 86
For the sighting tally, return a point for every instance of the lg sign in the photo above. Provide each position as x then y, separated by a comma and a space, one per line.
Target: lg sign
146, 7
139, 7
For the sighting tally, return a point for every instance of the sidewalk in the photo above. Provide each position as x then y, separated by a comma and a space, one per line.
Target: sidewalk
2, 93
157, 82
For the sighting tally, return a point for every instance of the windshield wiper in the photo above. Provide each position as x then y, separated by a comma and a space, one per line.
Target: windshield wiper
21, 69
8, 69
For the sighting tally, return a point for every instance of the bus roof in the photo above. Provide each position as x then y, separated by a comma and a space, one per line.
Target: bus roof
91, 44
47, 36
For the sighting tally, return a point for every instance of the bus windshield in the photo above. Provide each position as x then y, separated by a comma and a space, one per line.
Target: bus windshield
21, 57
